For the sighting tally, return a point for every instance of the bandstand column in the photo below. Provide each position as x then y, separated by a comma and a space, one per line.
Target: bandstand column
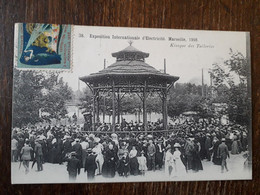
98, 98
104, 108
113, 106
144, 107
164, 108
118, 108
94, 110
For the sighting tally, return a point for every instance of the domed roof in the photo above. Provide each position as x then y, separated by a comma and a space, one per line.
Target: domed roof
130, 49
130, 62
130, 67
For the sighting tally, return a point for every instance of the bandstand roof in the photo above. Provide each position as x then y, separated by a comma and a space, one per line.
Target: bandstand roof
129, 67
130, 49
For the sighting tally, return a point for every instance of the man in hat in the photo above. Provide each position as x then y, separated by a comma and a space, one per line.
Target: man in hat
85, 145
188, 151
38, 155
159, 148
123, 123
77, 148
14, 147
151, 155
125, 164
121, 152
90, 164
223, 154
73, 166
26, 155
67, 147
208, 146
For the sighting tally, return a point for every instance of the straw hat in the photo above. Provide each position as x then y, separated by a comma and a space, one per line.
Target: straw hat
168, 147
97, 139
91, 135
177, 145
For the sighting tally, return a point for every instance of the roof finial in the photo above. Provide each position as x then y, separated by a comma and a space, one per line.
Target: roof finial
130, 42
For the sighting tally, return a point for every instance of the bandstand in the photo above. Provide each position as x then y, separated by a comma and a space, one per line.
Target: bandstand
129, 74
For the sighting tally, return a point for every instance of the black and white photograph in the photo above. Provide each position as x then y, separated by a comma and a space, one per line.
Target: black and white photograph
131, 105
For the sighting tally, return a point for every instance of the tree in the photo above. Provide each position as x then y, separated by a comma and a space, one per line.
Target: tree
232, 78
86, 101
38, 96
130, 103
187, 97
27, 98
55, 98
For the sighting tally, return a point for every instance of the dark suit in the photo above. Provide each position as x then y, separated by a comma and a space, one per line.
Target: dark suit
90, 166
73, 167
223, 154
151, 157
67, 148
159, 148
38, 156
207, 147
78, 149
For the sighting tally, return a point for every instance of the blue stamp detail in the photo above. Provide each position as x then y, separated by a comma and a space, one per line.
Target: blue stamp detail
44, 46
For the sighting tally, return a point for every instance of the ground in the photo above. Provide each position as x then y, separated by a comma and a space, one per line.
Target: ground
55, 173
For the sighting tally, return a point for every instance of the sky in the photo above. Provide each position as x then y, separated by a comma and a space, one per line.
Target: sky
186, 54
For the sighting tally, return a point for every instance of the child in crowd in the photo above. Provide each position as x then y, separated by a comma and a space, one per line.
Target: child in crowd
142, 163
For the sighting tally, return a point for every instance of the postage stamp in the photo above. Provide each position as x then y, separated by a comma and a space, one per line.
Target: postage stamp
42, 46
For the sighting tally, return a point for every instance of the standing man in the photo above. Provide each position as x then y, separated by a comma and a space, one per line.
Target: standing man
38, 155
223, 154
78, 149
85, 145
159, 153
73, 166
208, 146
14, 146
90, 164
188, 151
26, 155
75, 119
67, 147
151, 155
123, 124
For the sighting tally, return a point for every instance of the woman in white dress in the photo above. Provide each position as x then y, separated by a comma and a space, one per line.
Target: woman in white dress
142, 163
179, 168
169, 161
100, 158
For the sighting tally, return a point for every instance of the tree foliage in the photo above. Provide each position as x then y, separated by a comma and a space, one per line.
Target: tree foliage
86, 101
231, 79
129, 103
56, 97
187, 97
229, 91
38, 97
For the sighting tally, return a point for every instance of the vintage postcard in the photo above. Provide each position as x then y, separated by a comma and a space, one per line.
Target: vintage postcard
105, 104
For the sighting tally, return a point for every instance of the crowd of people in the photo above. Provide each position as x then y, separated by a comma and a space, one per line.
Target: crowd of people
126, 126
178, 152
